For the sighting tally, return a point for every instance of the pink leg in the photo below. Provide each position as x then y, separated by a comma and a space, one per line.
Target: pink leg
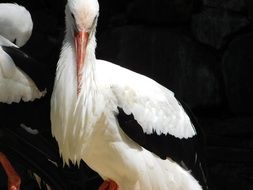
14, 180
108, 185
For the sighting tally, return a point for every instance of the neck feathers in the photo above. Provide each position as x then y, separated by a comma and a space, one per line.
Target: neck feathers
72, 114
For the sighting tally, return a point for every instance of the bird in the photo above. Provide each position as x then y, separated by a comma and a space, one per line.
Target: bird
21, 77
92, 97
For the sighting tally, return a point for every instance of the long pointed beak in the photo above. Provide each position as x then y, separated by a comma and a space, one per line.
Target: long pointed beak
81, 41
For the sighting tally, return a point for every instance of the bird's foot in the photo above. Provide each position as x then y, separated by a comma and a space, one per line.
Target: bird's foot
108, 185
14, 180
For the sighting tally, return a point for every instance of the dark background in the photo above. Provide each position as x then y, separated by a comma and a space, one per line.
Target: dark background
200, 49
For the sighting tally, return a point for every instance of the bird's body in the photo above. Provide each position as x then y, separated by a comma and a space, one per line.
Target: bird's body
95, 136
84, 108
15, 84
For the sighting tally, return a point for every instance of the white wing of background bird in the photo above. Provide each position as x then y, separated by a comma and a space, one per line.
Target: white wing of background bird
15, 84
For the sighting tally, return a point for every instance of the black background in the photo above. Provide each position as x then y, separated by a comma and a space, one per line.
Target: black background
200, 49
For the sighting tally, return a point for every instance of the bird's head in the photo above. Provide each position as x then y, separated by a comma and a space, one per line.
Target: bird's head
16, 23
82, 17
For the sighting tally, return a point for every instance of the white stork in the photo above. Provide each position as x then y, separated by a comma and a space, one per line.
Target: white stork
88, 97
20, 75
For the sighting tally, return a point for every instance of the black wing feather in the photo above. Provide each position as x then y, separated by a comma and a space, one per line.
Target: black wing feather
35, 70
186, 152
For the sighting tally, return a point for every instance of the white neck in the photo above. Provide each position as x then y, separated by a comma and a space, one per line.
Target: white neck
71, 114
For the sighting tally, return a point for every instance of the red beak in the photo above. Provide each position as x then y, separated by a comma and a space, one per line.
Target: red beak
81, 41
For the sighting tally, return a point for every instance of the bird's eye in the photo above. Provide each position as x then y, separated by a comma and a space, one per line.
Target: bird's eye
94, 22
95, 19
73, 16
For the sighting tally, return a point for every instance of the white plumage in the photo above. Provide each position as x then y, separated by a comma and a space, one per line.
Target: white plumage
85, 102
16, 23
15, 26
